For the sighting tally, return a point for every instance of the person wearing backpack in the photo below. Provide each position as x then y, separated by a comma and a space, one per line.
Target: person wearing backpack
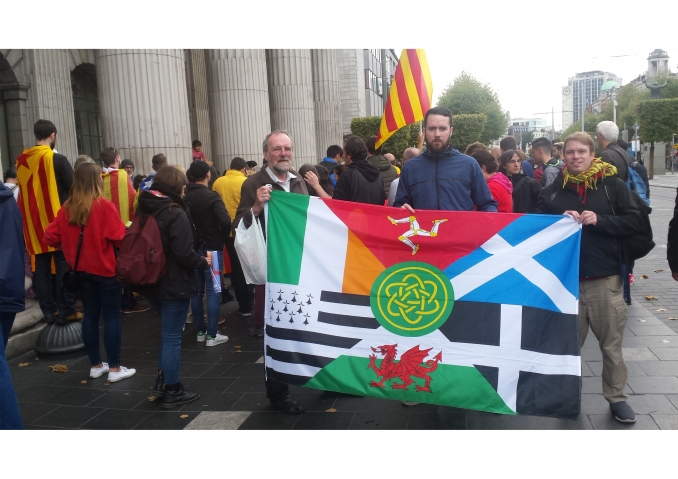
588, 191
607, 133
170, 296
213, 226
639, 168
88, 228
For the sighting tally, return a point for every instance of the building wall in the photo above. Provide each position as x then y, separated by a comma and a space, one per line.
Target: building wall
351, 87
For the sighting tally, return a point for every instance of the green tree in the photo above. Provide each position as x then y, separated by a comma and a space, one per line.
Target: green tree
467, 129
398, 142
466, 95
658, 120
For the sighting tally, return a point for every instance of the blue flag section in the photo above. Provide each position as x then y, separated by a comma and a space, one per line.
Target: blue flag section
475, 310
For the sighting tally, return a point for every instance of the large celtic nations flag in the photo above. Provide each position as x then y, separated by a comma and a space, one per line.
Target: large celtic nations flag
465, 309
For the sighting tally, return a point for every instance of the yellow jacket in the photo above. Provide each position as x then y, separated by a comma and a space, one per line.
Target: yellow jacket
228, 187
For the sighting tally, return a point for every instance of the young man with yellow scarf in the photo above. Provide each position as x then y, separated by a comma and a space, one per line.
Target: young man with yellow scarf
589, 190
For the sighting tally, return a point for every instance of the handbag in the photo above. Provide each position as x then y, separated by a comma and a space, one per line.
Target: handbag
69, 281
251, 248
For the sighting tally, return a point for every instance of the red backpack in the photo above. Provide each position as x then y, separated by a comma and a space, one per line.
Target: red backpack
141, 260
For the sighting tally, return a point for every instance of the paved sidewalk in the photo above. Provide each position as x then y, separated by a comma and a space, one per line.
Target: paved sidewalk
230, 376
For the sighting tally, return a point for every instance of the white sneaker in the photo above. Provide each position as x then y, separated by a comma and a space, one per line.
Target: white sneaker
98, 372
124, 373
202, 337
220, 338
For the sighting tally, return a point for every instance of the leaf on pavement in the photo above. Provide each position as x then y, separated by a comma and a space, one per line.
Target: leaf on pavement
330, 410
84, 381
152, 398
673, 319
238, 351
183, 416
644, 276
658, 270
22, 365
662, 309
59, 368
651, 298
107, 383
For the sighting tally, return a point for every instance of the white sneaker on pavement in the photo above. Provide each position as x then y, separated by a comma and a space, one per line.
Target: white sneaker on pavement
124, 373
219, 339
98, 372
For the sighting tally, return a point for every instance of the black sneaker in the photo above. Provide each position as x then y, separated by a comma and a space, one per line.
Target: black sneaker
622, 412
244, 312
176, 395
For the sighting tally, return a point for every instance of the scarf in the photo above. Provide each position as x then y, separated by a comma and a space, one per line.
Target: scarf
588, 180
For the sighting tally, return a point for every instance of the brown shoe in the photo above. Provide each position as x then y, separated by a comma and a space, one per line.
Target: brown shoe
136, 309
75, 316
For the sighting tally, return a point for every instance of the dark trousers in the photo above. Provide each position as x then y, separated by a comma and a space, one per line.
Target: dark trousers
101, 296
9, 407
42, 282
128, 300
242, 290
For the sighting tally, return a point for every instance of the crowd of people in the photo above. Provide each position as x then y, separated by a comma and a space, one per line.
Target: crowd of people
75, 219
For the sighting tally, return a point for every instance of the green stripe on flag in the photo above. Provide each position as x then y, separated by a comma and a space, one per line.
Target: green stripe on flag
456, 386
285, 239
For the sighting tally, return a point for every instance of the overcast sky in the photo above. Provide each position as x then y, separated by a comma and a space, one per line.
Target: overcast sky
525, 50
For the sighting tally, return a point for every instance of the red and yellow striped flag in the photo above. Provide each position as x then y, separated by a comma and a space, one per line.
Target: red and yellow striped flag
38, 195
410, 96
120, 192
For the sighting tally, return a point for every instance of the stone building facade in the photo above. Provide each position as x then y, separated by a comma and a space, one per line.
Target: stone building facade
144, 102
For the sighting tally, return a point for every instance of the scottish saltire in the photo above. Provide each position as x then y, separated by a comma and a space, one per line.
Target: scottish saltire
410, 95
465, 309
120, 192
38, 195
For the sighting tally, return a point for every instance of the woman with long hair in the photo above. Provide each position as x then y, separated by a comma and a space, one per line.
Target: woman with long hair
170, 297
315, 184
89, 216
525, 189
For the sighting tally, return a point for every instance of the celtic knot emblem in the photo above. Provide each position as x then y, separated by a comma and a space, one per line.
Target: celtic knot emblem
412, 298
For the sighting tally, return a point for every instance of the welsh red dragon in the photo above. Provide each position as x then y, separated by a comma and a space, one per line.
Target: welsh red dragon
409, 365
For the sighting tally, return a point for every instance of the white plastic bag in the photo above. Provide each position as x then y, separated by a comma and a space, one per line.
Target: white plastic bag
251, 248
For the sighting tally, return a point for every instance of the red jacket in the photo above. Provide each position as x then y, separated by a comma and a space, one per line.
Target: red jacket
501, 190
103, 231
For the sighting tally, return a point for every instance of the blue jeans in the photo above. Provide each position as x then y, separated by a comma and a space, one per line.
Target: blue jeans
101, 296
9, 407
42, 282
172, 320
204, 280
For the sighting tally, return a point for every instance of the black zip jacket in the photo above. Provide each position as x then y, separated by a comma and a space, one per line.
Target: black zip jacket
600, 250
177, 241
208, 212
361, 183
525, 192
63, 173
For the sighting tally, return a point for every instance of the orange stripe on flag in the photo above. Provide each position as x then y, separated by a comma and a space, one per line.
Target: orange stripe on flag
361, 268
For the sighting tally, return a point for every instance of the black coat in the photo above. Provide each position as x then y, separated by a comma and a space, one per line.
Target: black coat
600, 251
177, 241
525, 192
672, 243
212, 222
361, 182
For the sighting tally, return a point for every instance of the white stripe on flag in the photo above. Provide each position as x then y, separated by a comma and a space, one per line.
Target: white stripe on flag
324, 256
307, 348
520, 257
289, 368
510, 338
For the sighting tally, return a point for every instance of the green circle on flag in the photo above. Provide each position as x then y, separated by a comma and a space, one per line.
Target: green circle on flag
412, 298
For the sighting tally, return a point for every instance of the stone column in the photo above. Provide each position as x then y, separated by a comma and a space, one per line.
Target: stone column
50, 97
144, 105
239, 109
291, 99
20, 134
326, 100
198, 108
352, 84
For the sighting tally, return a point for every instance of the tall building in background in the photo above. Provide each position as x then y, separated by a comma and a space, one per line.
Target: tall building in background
581, 91
144, 102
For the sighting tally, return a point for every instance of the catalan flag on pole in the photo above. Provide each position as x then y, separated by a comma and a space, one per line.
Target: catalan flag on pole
410, 96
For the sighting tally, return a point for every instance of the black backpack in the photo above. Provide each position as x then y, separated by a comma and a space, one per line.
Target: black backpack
641, 243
